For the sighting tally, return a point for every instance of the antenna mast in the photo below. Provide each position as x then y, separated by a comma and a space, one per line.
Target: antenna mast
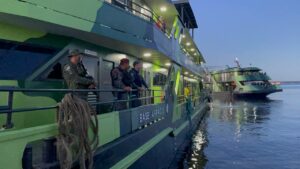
237, 62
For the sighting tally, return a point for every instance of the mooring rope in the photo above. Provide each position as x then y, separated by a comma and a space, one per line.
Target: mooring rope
78, 132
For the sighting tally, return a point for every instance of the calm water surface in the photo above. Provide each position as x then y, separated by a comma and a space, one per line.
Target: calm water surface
259, 134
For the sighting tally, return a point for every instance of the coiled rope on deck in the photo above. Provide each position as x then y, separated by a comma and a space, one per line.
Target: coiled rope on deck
78, 132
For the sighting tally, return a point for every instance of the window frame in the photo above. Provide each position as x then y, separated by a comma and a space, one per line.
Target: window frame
30, 49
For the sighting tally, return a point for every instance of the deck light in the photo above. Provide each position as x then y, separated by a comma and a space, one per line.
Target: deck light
183, 35
192, 49
162, 70
168, 64
186, 73
147, 55
195, 54
147, 65
188, 44
163, 9
118, 56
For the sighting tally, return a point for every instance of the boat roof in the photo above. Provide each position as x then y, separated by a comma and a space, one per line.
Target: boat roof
238, 69
188, 14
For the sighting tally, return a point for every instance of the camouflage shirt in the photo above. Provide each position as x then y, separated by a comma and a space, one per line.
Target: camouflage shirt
120, 78
76, 76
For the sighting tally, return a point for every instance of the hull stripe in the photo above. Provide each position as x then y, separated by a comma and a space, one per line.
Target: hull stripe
185, 124
135, 155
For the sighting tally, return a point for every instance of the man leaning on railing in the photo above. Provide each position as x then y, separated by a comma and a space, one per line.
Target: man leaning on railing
121, 80
137, 83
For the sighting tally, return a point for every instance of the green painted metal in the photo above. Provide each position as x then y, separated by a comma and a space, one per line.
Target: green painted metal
22, 34
176, 28
37, 125
203, 106
80, 16
109, 127
178, 111
158, 94
237, 76
13, 142
177, 82
175, 79
24, 100
178, 130
8, 32
138, 153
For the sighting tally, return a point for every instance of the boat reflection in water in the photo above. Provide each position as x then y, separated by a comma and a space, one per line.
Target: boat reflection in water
240, 112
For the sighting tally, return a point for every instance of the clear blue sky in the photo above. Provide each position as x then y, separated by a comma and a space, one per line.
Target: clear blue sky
264, 33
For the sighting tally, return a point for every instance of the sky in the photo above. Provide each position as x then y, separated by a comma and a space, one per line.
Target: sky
262, 33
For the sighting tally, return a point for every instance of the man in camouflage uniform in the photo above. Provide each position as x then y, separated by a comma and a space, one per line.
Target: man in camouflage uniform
121, 80
76, 75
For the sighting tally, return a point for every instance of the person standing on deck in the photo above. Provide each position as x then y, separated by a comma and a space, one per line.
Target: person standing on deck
138, 82
188, 106
121, 80
75, 74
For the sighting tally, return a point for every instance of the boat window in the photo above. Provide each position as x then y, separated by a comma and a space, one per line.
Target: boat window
120, 3
33, 49
56, 72
159, 79
18, 60
6, 45
136, 7
140, 9
147, 77
91, 65
107, 66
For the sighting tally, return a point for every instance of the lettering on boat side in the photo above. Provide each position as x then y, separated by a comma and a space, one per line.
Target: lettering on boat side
144, 117
147, 114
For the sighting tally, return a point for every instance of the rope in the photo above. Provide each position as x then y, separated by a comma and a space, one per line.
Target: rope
78, 132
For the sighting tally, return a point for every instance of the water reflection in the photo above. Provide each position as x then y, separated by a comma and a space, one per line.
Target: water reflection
232, 122
241, 111
196, 158
243, 115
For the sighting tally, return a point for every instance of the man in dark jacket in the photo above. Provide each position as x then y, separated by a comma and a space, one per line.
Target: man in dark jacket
76, 75
121, 80
138, 82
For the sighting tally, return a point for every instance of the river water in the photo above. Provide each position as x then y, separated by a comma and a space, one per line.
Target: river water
252, 134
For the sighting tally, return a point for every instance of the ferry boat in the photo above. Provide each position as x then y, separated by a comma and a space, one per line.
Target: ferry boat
242, 82
35, 38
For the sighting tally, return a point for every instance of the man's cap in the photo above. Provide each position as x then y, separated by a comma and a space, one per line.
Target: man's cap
74, 52
124, 61
136, 62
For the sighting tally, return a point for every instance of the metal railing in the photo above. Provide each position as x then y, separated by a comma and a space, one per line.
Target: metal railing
9, 110
130, 7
